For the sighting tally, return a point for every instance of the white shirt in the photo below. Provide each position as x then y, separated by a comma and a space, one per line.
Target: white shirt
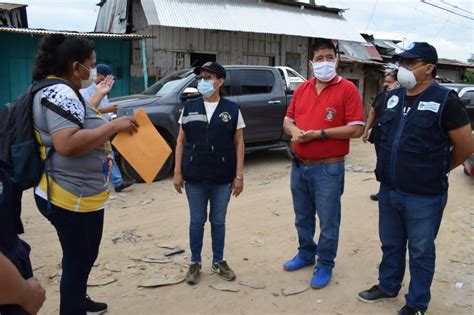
211, 108
87, 94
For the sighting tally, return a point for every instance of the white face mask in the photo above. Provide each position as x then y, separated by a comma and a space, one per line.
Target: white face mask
406, 78
324, 71
92, 76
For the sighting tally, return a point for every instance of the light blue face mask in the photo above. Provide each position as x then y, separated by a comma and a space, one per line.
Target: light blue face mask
206, 87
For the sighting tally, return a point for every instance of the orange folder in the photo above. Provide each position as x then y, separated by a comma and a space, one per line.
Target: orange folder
146, 150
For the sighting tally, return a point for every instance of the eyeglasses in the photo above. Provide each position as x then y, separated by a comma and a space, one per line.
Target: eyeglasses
204, 77
409, 63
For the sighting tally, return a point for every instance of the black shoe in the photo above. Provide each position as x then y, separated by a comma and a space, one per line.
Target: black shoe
374, 294
223, 270
374, 197
93, 308
125, 184
408, 310
194, 273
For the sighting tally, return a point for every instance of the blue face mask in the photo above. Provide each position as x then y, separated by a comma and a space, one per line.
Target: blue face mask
206, 87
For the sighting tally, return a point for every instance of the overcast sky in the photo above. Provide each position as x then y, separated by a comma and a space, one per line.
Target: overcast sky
412, 20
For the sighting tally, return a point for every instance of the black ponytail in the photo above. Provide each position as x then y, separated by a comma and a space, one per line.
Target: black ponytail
57, 51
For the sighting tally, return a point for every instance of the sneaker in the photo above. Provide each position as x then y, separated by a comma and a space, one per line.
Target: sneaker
374, 294
321, 278
125, 184
374, 197
408, 310
296, 263
194, 273
93, 308
223, 270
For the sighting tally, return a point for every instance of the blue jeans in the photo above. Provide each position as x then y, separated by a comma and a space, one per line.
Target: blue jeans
199, 195
413, 220
115, 175
317, 189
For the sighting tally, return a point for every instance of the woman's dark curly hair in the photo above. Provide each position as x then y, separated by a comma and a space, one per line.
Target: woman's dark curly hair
57, 51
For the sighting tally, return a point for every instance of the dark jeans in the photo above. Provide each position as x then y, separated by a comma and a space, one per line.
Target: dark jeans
317, 189
199, 196
80, 235
413, 220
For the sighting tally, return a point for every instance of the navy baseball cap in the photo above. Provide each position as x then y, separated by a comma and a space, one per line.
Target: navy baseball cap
212, 67
103, 69
420, 50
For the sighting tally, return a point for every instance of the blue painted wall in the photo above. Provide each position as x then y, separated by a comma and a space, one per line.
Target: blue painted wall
17, 54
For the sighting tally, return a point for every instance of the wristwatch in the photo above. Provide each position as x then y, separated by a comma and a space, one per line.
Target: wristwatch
324, 135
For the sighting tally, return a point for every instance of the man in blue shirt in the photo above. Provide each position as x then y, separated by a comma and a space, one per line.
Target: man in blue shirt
101, 102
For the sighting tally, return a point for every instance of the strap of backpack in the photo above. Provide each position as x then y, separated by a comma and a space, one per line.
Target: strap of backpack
58, 110
37, 86
48, 187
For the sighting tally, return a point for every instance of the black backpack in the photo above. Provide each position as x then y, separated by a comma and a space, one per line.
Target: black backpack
19, 151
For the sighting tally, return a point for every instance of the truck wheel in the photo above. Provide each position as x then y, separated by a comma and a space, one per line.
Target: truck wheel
165, 171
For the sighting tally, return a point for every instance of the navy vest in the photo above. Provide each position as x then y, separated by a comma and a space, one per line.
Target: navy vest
209, 153
414, 154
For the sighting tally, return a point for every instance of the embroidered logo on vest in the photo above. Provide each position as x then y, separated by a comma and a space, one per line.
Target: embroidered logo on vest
392, 102
225, 116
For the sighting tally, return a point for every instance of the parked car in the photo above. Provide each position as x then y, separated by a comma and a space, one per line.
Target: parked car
469, 165
292, 78
262, 93
466, 94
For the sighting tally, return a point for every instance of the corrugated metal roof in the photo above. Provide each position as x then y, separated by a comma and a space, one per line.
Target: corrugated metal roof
33, 31
11, 6
350, 59
387, 44
363, 51
249, 16
453, 62
307, 5
112, 16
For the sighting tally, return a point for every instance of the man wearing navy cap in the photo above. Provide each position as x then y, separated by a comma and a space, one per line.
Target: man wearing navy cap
425, 133
96, 95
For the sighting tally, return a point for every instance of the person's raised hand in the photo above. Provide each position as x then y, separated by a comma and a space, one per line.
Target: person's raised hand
105, 85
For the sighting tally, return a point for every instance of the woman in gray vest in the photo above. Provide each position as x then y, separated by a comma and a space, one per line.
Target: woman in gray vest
210, 165
73, 140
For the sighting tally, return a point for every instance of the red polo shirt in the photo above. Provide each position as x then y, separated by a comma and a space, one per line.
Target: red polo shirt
338, 104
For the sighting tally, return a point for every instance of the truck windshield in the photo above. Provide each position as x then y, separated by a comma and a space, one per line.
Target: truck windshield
168, 83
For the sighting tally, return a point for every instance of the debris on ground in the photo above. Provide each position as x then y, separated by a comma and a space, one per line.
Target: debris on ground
226, 286
93, 282
295, 289
159, 280
254, 284
127, 236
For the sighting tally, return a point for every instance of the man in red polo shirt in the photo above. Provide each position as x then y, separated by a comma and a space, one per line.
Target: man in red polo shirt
325, 112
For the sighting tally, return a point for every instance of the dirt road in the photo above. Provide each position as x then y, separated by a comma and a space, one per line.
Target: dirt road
260, 237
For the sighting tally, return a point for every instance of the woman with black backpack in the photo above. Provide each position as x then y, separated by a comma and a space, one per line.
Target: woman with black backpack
74, 142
